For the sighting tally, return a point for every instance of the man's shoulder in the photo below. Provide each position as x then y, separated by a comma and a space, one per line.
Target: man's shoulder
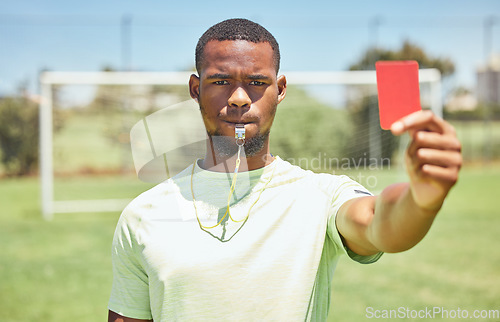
161, 196
166, 187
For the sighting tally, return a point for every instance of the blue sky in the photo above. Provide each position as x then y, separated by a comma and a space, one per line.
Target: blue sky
313, 35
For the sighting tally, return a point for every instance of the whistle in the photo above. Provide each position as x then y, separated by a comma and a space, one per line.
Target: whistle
239, 132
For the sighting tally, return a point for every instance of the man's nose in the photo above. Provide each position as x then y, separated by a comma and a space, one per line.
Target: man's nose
239, 98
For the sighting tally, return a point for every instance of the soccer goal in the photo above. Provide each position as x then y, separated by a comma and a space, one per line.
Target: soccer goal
132, 98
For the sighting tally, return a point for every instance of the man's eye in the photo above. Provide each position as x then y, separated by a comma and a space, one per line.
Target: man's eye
257, 83
221, 82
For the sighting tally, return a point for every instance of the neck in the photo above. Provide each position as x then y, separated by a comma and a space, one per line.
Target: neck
215, 162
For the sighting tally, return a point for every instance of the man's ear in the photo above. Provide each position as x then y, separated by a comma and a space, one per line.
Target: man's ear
281, 87
194, 87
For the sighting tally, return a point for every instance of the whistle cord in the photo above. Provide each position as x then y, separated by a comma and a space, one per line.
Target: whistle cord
231, 191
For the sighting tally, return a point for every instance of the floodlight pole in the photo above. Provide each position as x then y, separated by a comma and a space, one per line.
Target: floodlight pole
126, 42
374, 29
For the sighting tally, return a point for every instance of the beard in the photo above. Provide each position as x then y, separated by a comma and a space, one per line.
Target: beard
225, 146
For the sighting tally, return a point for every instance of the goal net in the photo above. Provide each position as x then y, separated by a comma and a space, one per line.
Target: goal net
102, 131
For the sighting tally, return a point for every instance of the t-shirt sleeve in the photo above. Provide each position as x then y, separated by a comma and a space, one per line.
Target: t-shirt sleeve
347, 189
130, 289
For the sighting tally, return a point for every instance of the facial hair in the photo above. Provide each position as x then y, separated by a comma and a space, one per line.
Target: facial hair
225, 146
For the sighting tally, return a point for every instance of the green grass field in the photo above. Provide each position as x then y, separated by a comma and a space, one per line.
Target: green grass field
455, 266
61, 270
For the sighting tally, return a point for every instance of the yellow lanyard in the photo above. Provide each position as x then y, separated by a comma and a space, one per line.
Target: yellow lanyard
231, 191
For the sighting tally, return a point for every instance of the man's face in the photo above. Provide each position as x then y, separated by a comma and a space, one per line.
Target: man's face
238, 85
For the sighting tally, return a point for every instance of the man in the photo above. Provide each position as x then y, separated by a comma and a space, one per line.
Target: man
265, 247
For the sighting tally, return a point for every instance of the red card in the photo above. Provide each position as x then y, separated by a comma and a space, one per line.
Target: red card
398, 90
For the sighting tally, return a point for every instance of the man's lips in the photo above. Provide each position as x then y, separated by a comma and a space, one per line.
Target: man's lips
234, 122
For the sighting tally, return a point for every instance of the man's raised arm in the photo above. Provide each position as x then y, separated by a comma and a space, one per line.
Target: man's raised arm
402, 214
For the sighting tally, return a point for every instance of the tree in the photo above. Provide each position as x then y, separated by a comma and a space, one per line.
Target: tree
19, 127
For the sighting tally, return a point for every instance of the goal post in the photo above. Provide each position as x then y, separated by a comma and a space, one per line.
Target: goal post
49, 79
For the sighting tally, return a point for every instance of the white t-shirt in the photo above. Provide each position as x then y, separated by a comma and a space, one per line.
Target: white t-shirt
273, 259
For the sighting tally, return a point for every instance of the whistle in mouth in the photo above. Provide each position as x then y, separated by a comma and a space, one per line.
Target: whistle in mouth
239, 132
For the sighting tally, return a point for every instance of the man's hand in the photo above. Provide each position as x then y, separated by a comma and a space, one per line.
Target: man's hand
402, 214
433, 158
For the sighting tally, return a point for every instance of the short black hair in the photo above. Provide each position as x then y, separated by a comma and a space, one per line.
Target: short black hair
237, 29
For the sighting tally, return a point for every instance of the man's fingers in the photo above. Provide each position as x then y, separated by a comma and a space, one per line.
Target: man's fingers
434, 155
424, 143
420, 121
433, 158
438, 157
448, 175
432, 140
